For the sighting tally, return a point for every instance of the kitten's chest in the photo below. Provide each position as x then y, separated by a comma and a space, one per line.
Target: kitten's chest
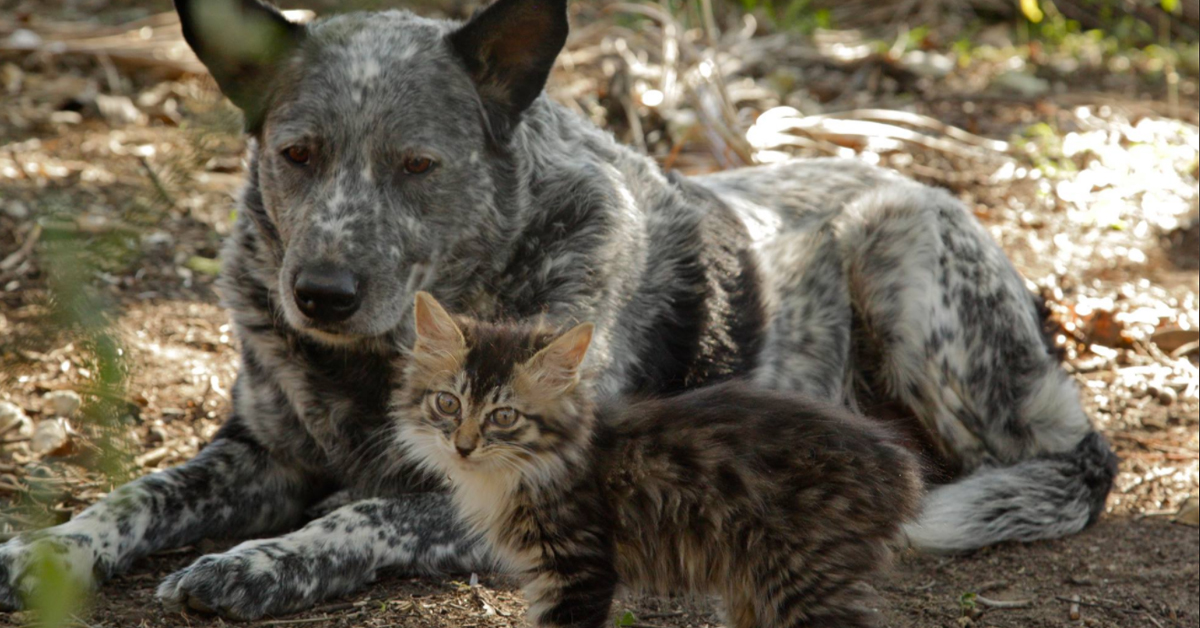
492, 504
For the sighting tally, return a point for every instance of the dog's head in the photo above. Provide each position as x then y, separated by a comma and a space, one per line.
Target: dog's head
381, 143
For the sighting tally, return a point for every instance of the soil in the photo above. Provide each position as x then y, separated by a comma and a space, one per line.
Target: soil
126, 206
1123, 572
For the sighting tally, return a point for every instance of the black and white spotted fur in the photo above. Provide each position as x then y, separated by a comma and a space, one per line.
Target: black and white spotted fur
828, 277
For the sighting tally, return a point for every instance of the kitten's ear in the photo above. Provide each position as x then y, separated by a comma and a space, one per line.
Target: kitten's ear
242, 43
508, 49
436, 330
557, 365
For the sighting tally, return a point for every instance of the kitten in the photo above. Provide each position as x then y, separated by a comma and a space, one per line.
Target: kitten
778, 504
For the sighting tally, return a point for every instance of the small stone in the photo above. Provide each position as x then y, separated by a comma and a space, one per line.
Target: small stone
1155, 420
63, 403
927, 64
118, 110
66, 117
12, 78
50, 438
14, 421
156, 436
1020, 84
9, 411
158, 239
38, 471
16, 210
24, 38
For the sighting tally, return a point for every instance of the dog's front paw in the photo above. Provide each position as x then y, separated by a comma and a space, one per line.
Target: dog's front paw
254, 580
30, 563
239, 585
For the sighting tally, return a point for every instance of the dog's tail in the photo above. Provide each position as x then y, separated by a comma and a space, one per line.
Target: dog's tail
1044, 497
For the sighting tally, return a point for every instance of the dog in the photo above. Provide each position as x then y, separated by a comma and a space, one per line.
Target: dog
392, 153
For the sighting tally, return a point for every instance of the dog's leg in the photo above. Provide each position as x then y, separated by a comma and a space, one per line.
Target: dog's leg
808, 340
233, 487
330, 556
960, 343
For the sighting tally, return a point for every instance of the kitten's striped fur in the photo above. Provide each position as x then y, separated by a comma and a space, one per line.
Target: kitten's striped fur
777, 504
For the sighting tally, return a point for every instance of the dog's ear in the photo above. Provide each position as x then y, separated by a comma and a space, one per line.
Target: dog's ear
242, 43
509, 48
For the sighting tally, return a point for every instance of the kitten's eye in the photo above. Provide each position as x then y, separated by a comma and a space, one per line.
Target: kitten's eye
417, 165
448, 404
298, 155
504, 417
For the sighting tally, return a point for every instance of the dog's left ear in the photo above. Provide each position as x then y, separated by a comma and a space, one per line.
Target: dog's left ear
509, 48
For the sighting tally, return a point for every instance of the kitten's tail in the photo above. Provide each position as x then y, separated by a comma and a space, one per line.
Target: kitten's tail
1045, 497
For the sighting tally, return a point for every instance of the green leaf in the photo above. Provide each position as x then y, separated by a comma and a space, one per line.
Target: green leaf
626, 620
1170, 6
58, 595
205, 265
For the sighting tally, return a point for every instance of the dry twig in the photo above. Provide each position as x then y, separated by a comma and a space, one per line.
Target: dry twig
1002, 604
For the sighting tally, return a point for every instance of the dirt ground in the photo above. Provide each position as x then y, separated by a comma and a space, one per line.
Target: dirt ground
1123, 572
117, 176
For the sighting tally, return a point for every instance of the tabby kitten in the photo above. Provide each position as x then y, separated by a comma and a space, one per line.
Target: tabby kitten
778, 504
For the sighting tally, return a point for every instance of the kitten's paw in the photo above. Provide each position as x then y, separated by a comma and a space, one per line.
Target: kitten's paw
253, 580
28, 561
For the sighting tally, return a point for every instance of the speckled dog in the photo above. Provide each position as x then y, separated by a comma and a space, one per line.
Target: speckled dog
392, 153
779, 504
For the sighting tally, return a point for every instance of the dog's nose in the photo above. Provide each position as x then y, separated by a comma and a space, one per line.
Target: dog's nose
465, 452
327, 293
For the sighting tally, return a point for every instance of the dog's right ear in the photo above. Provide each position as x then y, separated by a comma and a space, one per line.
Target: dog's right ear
509, 48
241, 42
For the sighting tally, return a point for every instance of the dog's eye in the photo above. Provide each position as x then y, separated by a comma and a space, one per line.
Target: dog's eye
448, 404
417, 165
504, 417
299, 155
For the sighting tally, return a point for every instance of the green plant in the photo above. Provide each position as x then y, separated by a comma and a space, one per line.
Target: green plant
795, 15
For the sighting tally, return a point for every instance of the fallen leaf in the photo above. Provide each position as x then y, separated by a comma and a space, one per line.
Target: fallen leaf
1101, 327
1189, 514
63, 403
1169, 340
50, 438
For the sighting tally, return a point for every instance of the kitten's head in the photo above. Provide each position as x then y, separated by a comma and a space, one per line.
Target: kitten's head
505, 401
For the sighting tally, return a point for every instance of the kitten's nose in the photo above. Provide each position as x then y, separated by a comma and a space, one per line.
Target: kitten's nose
464, 451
